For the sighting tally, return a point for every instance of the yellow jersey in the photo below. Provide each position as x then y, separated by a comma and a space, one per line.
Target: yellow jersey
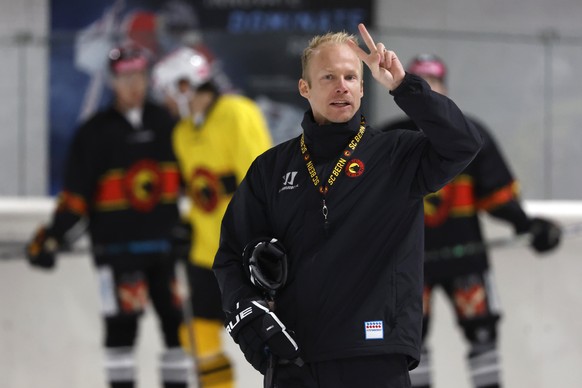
214, 157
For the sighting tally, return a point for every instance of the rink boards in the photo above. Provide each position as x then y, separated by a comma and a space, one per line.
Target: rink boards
50, 329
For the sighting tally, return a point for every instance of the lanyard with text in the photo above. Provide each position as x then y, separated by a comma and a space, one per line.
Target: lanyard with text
323, 188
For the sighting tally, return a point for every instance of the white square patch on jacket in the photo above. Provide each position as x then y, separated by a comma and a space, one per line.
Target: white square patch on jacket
374, 329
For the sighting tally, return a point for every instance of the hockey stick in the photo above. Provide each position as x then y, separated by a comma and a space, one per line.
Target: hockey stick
17, 249
468, 249
184, 278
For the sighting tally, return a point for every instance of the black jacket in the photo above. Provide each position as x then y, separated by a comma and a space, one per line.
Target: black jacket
363, 275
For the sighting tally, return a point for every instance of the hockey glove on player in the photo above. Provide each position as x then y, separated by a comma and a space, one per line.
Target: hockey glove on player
265, 264
41, 250
545, 234
257, 331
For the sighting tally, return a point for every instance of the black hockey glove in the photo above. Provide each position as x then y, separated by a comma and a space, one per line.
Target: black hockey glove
546, 235
265, 264
258, 331
181, 240
41, 250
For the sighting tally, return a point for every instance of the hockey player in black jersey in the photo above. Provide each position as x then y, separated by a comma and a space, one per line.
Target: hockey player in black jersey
451, 219
122, 178
345, 201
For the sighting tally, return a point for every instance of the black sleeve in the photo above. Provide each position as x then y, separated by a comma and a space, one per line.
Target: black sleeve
512, 212
496, 189
450, 141
405, 123
491, 170
245, 220
79, 183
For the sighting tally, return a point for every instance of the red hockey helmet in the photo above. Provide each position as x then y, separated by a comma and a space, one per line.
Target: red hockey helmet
125, 59
428, 65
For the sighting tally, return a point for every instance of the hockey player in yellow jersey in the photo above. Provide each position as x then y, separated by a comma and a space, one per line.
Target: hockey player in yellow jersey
217, 139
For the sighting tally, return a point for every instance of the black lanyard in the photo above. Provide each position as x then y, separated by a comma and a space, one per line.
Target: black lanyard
335, 172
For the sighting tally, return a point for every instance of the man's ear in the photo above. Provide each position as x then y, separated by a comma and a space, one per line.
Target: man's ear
303, 87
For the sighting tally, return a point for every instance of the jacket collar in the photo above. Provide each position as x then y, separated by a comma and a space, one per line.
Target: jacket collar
326, 142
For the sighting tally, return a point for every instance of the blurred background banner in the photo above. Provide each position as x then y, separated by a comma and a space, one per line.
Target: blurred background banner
254, 48
513, 65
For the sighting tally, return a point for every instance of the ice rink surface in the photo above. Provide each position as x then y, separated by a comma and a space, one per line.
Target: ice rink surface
50, 328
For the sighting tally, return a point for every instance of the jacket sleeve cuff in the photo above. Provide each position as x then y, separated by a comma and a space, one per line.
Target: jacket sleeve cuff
410, 84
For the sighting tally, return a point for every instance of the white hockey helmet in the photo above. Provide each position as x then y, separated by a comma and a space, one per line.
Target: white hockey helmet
182, 64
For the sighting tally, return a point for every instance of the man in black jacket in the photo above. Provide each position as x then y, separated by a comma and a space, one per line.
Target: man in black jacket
346, 202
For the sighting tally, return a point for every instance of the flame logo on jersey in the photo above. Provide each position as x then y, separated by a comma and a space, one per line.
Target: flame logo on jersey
471, 302
143, 185
354, 168
133, 296
204, 189
437, 206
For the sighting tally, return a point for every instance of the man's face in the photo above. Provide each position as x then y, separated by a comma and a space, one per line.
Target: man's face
130, 88
334, 85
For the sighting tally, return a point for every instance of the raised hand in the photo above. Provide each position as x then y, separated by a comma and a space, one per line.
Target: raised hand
384, 64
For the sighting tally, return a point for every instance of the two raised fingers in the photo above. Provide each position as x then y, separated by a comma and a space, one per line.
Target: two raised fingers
379, 49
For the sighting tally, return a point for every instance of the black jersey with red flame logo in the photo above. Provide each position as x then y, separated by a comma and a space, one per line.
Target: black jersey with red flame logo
124, 180
451, 214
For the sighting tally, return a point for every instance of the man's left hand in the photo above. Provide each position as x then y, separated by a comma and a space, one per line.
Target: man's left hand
384, 64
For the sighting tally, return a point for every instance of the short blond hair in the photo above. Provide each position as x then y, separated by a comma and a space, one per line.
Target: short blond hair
319, 40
